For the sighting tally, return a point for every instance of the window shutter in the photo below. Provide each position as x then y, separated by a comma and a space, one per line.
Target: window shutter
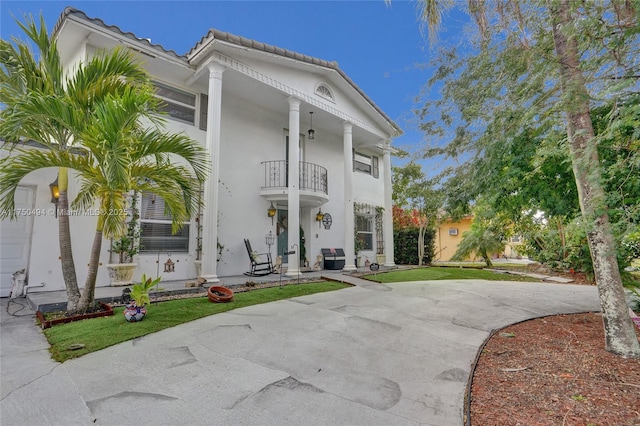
374, 166
204, 105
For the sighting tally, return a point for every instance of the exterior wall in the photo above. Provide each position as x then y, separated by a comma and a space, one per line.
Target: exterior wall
250, 134
446, 245
45, 249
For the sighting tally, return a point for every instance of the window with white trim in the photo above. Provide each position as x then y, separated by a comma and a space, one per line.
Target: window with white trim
366, 164
155, 227
364, 232
178, 104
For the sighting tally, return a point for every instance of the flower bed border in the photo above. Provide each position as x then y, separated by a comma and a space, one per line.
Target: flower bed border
106, 312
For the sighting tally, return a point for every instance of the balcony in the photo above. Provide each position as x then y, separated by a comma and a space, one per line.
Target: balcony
314, 189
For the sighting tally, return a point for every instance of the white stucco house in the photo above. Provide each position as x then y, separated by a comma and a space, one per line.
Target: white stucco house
252, 105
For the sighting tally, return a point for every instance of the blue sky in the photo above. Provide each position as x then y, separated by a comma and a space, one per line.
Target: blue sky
379, 46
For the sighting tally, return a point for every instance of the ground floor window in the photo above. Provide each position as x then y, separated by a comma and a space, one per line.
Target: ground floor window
364, 232
155, 228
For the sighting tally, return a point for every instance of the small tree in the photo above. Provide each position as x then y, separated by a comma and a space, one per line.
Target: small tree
127, 246
487, 236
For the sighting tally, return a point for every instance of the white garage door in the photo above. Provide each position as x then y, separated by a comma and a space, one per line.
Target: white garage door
15, 239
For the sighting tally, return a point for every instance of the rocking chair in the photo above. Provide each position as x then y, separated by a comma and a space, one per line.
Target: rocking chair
260, 262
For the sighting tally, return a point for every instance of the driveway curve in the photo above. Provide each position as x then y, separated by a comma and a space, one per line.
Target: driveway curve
376, 354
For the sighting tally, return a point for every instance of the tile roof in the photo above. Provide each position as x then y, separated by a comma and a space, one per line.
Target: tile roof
233, 39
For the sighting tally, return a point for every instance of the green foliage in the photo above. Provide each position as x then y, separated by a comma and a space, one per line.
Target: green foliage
100, 333
503, 119
140, 291
405, 242
127, 246
630, 246
487, 236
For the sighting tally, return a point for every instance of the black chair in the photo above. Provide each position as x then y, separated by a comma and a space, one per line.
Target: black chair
260, 262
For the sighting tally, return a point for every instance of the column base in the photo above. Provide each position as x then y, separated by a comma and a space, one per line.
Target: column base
349, 268
211, 279
389, 265
293, 273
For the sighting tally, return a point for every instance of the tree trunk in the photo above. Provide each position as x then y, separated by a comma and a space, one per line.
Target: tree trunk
64, 237
487, 259
620, 336
421, 232
88, 293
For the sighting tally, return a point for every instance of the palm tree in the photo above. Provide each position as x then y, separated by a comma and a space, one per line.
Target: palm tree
41, 104
482, 240
118, 155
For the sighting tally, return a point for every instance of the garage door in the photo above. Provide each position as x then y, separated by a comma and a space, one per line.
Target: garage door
15, 239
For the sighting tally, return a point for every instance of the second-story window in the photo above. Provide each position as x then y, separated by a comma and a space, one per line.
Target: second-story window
178, 104
366, 164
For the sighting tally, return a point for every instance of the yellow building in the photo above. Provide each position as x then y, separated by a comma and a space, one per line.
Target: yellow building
448, 236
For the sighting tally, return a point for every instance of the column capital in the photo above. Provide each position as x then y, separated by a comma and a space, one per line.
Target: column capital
294, 102
215, 69
347, 126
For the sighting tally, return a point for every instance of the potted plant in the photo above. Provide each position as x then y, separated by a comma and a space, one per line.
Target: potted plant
136, 311
126, 248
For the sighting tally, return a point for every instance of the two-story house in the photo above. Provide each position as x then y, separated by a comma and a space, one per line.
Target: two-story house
294, 143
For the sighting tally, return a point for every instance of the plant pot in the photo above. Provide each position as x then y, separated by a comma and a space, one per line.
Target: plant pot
217, 294
198, 264
121, 273
380, 258
134, 313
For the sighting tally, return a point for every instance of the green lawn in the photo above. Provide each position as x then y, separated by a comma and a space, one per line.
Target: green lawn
444, 273
99, 333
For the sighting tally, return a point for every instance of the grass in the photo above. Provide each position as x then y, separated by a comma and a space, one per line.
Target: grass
99, 333
444, 273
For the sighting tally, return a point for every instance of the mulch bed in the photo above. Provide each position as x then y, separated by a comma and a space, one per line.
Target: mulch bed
554, 371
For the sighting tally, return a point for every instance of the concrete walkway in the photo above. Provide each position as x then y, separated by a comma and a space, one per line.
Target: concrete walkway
373, 354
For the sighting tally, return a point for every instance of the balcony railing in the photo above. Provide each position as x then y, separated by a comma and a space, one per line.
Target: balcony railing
312, 176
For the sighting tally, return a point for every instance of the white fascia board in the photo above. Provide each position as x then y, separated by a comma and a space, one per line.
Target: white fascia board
136, 46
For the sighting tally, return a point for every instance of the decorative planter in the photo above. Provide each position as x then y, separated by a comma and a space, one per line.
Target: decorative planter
198, 264
217, 294
121, 273
134, 313
380, 259
106, 311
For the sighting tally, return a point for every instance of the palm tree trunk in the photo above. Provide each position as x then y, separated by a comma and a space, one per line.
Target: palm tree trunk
88, 292
64, 236
620, 336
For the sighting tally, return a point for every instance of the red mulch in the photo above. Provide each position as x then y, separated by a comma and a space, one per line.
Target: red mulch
568, 378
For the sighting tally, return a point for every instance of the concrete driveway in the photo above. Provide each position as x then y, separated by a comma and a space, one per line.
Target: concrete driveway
368, 355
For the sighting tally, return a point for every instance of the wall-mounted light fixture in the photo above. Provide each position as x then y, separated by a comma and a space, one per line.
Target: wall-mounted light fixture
312, 133
271, 212
319, 217
55, 194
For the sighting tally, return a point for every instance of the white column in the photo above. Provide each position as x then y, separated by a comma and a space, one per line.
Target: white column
387, 225
210, 219
349, 220
293, 268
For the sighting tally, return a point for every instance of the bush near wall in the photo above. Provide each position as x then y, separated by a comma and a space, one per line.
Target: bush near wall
406, 246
